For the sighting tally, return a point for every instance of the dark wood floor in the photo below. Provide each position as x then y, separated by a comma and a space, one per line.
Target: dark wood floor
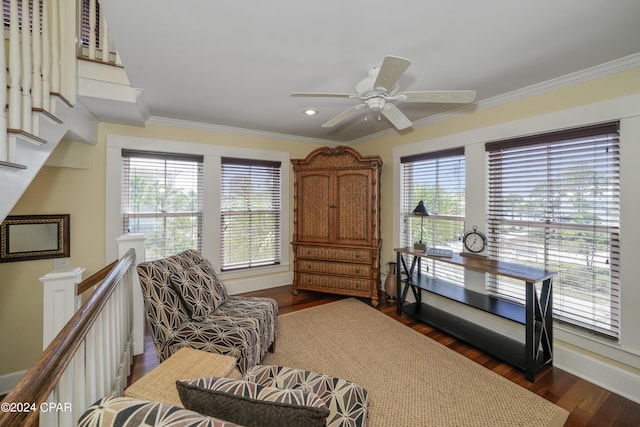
589, 405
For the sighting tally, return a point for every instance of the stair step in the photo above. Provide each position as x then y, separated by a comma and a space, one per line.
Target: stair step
26, 136
11, 166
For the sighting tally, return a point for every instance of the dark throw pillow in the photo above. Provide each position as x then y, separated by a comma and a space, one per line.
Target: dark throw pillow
252, 405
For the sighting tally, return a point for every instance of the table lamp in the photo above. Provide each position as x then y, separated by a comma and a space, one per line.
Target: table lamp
420, 211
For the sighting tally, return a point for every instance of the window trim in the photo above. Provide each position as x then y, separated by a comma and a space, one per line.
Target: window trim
232, 163
211, 218
452, 273
150, 158
560, 142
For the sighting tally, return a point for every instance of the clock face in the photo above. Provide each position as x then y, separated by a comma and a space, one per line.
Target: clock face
474, 241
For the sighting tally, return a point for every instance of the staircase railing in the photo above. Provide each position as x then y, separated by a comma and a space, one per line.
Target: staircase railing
41, 63
95, 41
89, 358
35, 64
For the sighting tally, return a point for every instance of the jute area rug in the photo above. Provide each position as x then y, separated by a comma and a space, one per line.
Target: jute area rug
412, 380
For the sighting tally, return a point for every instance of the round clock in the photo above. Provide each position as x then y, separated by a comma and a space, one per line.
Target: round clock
474, 241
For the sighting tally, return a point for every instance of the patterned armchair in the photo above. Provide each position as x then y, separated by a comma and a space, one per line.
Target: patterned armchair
188, 306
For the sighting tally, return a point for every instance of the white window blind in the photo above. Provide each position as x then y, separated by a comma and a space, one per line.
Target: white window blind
438, 179
162, 198
554, 202
250, 213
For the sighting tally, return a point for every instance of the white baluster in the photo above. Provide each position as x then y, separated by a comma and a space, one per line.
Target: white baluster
114, 347
79, 385
99, 356
26, 68
36, 89
54, 23
92, 29
64, 396
46, 57
104, 39
106, 339
4, 146
14, 68
91, 394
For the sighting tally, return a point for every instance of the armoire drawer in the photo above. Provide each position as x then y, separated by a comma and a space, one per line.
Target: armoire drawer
333, 282
337, 268
334, 254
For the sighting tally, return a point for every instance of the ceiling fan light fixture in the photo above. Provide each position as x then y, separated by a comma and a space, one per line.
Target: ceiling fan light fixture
379, 90
310, 111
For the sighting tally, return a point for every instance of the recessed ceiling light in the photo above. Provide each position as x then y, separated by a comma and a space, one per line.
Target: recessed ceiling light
310, 111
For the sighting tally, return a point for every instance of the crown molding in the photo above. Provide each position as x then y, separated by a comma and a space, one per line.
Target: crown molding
592, 73
237, 131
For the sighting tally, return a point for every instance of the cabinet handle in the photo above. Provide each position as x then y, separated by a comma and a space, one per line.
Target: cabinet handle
333, 206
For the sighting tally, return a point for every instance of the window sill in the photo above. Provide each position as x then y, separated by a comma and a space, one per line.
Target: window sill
255, 271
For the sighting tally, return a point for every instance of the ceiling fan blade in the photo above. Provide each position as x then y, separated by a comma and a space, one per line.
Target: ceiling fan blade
324, 94
392, 68
342, 116
443, 96
396, 117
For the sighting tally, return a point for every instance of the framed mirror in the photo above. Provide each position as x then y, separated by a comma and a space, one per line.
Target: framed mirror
28, 237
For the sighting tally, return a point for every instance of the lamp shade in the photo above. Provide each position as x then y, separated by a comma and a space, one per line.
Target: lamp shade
421, 209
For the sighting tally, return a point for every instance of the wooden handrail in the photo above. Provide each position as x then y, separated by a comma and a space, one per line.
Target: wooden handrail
96, 278
36, 385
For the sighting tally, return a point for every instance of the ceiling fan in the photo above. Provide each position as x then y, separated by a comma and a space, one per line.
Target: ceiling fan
380, 87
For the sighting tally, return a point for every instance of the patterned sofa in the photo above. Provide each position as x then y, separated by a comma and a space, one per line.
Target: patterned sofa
188, 306
266, 396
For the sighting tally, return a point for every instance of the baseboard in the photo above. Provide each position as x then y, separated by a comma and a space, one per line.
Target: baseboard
256, 283
9, 381
598, 372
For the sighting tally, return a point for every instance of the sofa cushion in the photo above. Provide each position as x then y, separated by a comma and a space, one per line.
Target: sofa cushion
251, 404
194, 287
130, 412
348, 402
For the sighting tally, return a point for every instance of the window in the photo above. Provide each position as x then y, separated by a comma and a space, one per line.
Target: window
162, 198
554, 202
250, 213
438, 179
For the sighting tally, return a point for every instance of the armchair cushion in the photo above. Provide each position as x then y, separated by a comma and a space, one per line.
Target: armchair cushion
195, 289
251, 404
348, 402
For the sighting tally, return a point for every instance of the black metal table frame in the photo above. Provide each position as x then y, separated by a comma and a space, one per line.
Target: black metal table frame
538, 314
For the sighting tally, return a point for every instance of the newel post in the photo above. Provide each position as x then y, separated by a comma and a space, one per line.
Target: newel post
60, 300
126, 242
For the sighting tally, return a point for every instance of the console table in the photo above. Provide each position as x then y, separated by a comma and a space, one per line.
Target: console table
536, 315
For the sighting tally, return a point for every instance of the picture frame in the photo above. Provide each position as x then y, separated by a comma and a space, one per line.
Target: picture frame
31, 237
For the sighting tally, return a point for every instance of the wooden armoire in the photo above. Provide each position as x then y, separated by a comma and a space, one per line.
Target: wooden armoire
336, 239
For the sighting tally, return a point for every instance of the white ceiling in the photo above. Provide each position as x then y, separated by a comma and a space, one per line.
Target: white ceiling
233, 63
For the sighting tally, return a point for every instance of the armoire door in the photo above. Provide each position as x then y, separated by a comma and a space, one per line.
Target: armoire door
352, 207
313, 206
